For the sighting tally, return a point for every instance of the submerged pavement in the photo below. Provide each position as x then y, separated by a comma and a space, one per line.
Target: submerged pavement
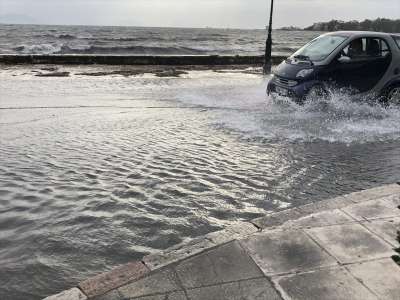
340, 248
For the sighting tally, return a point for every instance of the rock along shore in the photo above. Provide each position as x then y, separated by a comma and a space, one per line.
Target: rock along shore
176, 60
340, 248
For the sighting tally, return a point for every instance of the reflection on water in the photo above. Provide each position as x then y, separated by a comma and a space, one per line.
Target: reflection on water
106, 169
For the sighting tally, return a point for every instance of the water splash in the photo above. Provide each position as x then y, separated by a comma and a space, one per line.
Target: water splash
340, 117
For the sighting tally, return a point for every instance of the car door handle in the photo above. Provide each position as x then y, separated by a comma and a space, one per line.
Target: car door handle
397, 71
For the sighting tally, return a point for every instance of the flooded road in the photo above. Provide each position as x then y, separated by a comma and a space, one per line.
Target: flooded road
98, 171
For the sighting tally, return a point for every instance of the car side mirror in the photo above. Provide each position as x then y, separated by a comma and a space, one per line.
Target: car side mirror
344, 59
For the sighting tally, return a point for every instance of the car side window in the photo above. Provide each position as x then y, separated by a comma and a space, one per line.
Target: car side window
356, 49
377, 47
366, 48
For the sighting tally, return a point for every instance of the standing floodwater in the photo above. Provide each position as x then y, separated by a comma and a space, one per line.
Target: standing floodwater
98, 171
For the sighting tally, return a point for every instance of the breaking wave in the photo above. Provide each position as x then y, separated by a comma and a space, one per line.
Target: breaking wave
133, 50
52, 48
67, 36
130, 50
38, 49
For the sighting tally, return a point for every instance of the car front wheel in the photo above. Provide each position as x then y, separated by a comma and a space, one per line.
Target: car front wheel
317, 92
393, 96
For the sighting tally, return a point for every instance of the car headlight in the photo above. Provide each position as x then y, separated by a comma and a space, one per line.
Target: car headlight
304, 73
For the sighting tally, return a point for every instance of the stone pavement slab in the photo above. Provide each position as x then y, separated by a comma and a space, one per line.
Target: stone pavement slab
324, 205
232, 233
351, 243
380, 276
372, 210
326, 218
393, 200
374, 193
103, 283
196, 246
177, 253
72, 294
226, 263
112, 295
277, 219
280, 218
286, 251
253, 289
171, 296
326, 284
386, 229
161, 282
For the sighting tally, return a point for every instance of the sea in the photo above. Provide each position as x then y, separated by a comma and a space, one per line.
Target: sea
98, 171
44, 39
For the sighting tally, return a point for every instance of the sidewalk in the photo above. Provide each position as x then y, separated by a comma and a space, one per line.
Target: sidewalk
340, 248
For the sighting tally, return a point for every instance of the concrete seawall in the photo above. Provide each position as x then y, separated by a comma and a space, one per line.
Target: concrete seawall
136, 60
340, 248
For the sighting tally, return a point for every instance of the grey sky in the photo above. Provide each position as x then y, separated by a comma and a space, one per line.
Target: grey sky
194, 13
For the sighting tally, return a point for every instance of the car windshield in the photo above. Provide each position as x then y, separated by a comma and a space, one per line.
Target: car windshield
397, 39
320, 48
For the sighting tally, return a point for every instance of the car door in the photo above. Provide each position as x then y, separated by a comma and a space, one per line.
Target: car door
360, 70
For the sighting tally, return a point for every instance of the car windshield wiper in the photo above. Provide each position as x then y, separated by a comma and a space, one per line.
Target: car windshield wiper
304, 57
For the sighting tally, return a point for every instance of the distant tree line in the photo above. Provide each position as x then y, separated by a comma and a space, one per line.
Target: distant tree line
380, 24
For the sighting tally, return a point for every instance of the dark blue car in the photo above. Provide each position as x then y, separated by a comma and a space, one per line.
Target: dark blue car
362, 62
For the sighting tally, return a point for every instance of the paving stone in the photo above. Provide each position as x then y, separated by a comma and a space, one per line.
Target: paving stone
326, 218
112, 295
326, 284
280, 218
222, 237
103, 283
371, 210
324, 205
72, 294
232, 233
254, 289
351, 243
393, 201
381, 276
171, 296
177, 253
224, 264
244, 228
386, 229
160, 282
286, 251
374, 193
277, 219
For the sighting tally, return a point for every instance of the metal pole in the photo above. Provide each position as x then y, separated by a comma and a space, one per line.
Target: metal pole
268, 46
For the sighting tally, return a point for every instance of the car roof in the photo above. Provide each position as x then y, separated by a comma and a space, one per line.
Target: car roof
362, 34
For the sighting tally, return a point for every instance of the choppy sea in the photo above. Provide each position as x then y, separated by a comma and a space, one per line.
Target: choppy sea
44, 39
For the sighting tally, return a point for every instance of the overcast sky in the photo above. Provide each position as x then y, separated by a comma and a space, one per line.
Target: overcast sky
194, 13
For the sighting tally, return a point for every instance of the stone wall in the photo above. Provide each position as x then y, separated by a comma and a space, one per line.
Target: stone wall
135, 60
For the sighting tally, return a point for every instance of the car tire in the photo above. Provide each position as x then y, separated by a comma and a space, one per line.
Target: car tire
392, 96
317, 92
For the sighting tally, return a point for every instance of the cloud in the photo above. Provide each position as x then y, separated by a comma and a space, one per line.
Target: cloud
195, 13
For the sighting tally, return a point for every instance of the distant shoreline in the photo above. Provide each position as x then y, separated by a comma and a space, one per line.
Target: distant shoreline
380, 24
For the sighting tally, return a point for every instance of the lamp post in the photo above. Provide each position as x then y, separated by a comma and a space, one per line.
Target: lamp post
268, 46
